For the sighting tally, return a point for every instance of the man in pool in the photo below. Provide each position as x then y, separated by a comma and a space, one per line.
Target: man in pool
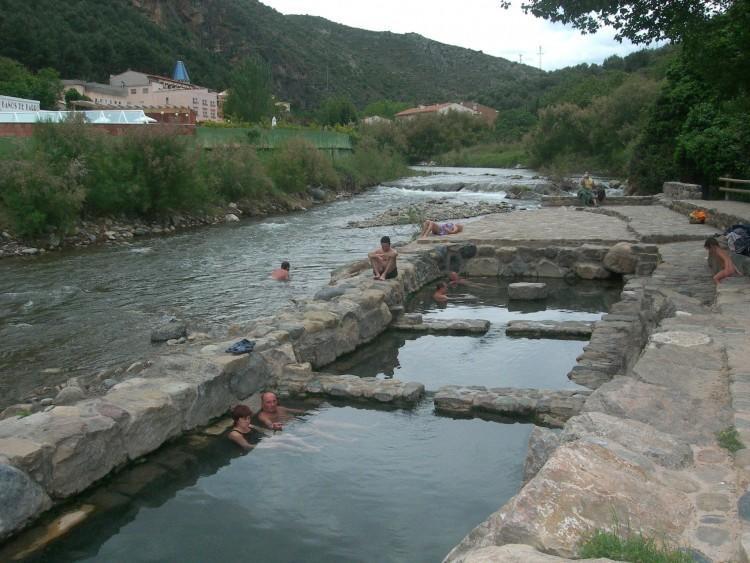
281, 274
383, 261
272, 415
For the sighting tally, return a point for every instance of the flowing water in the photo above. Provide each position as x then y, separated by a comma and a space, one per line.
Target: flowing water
76, 312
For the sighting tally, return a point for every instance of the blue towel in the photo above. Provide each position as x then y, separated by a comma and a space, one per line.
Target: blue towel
243, 346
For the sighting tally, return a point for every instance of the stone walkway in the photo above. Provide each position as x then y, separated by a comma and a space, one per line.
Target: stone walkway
646, 449
563, 225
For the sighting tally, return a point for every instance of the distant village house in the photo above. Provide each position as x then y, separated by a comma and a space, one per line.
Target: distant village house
487, 114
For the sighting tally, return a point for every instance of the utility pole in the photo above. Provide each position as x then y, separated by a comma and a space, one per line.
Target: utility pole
520, 58
540, 57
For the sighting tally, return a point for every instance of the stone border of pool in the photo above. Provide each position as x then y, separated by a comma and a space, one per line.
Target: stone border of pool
54, 454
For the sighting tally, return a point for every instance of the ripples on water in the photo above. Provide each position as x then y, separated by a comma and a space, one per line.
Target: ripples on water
94, 308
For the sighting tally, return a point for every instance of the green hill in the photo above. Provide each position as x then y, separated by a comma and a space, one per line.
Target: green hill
312, 58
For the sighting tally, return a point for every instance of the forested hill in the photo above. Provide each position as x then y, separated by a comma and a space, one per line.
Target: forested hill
312, 58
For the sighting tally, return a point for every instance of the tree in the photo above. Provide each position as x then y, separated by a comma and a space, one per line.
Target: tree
250, 91
641, 21
73, 95
384, 108
16, 80
338, 111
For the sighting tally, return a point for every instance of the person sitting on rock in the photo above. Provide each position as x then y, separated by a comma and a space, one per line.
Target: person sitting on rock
719, 259
438, 229
383, 261
441, 293
586, 192
271, 415
241, 414
282, 273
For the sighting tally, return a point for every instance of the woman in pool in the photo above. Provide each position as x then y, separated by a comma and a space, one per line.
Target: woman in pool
440, 229
241, 414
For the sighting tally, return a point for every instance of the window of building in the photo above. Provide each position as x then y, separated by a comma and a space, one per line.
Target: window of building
167, 100
213, 103
195, 101
132, 90
145, 90
205, 102
213, 113
205, 113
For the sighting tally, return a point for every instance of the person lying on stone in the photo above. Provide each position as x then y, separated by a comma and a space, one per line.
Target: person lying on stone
383, 261
719, 259
438, 229
273, 416
241, 414
282, 273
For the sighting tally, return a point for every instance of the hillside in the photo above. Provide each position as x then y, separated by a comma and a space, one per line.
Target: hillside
312, 58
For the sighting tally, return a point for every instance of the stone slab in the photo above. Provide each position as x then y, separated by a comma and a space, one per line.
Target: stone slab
564, 330
437, 326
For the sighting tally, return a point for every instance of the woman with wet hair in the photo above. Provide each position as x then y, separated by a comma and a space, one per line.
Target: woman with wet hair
241, 414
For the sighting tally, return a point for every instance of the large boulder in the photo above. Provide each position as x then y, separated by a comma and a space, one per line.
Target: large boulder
591, 271
642, 439
584, 487
21, 499
621, 259
168, 329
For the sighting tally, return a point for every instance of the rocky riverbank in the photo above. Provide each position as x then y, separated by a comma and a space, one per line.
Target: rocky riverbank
434, 209
122, 230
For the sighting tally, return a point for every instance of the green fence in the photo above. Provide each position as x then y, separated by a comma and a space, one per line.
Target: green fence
272, 138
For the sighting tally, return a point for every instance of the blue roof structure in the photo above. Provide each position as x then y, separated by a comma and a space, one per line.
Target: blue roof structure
180, 72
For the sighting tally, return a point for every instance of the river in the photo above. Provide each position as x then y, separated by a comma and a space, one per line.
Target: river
76, 312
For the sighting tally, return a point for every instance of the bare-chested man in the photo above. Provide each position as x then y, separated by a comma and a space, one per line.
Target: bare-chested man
272, 415
383, 261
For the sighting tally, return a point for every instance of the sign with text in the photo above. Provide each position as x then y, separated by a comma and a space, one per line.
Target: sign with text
8, 103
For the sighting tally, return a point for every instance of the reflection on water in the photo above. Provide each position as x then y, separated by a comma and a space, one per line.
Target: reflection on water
369, 485
492, 359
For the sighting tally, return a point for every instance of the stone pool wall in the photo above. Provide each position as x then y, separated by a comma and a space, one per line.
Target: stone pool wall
54, 454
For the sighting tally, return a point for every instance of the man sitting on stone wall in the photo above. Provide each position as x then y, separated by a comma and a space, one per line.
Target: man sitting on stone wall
383, 261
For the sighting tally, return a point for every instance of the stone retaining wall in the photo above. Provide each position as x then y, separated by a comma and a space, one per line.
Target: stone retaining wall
567, 200
546, 261
680, 190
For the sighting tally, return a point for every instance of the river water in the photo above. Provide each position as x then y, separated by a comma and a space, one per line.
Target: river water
79, 311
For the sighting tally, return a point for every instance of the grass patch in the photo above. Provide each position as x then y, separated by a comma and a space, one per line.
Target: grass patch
729, 439
484, 156
631, 547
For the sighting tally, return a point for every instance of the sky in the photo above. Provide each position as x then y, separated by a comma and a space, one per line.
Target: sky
476, 24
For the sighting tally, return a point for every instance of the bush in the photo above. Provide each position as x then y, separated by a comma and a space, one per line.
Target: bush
297, 164
369, 165
234, 173
37, 197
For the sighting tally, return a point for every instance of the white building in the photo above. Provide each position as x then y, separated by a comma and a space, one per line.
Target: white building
138, 90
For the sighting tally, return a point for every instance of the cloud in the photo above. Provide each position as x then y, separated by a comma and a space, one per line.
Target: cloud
475, 24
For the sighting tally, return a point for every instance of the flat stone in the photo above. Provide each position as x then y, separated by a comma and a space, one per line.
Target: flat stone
566, 330
679, 338
432, 326
711, 502
513, 553
527, 291
712, 535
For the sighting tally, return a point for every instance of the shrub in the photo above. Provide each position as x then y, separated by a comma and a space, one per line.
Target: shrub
729, 439
37, 197
297, 164
162, 172
234, 173
370, 165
